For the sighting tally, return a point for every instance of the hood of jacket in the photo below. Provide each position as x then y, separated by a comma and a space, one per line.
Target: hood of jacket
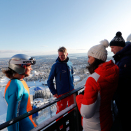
108, 71
126, 51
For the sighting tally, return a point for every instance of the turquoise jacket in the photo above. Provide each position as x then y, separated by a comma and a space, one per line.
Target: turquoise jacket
18, 100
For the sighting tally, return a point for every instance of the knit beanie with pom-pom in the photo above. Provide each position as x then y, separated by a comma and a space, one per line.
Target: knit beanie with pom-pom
118, 40
99, 51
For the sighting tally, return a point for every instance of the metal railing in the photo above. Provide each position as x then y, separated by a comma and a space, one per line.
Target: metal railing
67, 121
70, 120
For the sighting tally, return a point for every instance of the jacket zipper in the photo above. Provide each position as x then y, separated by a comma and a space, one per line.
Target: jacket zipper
60, 76
68, 75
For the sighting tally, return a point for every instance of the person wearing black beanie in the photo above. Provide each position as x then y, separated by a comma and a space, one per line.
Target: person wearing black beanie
117, 43
118, 40
122, 57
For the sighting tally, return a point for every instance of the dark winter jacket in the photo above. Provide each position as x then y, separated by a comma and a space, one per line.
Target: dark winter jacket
123, 60
63, 73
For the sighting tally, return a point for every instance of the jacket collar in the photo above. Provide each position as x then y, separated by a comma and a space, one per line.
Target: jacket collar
126, 51
65, 61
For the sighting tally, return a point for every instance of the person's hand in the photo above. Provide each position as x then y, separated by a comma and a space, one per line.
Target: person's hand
55, 95
82, 92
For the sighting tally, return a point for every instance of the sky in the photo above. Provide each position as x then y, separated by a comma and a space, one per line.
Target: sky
40, 27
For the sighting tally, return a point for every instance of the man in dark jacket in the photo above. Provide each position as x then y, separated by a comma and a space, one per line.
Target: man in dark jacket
122, 58
62, 71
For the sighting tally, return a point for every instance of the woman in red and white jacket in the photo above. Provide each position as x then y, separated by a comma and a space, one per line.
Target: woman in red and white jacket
95, 103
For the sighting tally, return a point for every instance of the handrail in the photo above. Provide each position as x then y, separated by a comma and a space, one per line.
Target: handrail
50, 120
8, 123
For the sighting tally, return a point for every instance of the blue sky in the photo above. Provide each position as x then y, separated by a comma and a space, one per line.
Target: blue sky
40, 27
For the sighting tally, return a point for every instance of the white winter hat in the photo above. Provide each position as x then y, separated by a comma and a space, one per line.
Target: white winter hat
99, 51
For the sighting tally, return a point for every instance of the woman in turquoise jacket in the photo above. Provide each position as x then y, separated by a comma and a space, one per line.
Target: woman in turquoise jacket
17, 92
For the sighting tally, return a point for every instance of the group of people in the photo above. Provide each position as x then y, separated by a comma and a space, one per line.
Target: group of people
107, 81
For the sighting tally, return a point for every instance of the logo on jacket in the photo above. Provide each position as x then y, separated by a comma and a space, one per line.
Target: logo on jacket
63, 71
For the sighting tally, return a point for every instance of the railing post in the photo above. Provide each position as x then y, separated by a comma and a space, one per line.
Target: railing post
77, 116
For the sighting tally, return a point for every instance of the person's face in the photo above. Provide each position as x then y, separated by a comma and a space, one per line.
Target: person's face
28, 70
91, 59
62, 55
116, 49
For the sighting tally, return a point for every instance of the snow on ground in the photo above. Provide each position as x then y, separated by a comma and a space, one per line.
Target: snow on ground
76, 78
3, 107
4, 81
44, 82
82, 83
45, 113
34, 84
40, 101
35, 73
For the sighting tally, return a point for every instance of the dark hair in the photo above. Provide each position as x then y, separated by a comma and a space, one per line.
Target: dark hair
94, 65
9, 73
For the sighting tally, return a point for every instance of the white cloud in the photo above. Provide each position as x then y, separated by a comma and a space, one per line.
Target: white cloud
12, 51
43, 46
80, 49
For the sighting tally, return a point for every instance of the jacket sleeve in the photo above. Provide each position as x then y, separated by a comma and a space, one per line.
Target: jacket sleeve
11, 112
87, 103
13, 107
124, 67
79, 99
50, 80
124, 76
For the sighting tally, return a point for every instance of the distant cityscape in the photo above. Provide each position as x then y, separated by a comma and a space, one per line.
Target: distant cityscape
43, 66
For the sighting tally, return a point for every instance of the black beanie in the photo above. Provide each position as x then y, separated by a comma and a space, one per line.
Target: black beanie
118, 40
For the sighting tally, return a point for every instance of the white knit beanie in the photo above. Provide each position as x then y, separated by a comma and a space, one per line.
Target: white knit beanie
99, 51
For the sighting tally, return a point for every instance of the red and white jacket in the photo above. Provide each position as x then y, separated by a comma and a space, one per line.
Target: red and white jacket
95, 104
